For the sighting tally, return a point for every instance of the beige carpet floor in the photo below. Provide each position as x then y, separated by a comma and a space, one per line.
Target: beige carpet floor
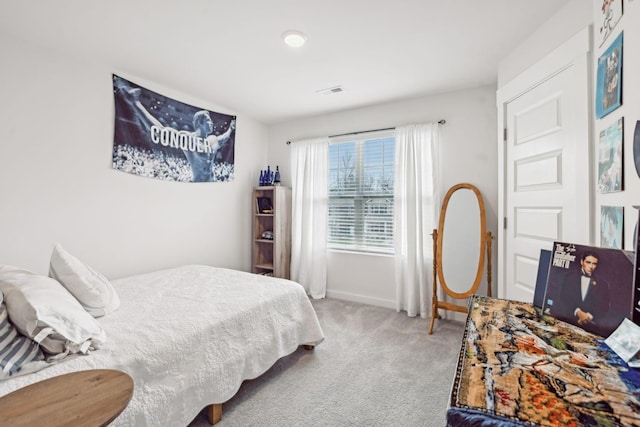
376, 367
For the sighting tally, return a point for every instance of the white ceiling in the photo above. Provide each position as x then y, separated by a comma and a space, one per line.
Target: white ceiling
229, 53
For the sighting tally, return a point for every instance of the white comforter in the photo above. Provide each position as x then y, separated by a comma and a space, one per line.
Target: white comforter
189, 336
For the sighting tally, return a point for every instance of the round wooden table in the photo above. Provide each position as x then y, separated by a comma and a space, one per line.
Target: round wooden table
84, 398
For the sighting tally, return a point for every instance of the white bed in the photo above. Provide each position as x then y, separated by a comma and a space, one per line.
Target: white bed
189, 336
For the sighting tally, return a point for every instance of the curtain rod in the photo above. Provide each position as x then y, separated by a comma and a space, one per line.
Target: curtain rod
440, 122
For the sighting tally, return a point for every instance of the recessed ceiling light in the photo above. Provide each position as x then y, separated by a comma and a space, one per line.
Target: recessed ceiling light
294, 38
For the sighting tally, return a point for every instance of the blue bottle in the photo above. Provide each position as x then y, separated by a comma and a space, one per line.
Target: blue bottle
276, 179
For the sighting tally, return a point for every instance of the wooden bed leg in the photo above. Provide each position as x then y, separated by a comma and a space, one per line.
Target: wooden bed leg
308, 346
214, 412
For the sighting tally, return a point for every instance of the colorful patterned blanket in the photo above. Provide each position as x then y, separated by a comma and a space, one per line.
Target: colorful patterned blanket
516, 368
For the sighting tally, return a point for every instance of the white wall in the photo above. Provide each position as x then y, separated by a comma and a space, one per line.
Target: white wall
568, 21
467, 155
57, 185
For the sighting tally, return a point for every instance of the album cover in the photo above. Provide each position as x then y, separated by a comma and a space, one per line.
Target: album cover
611, 11
612, 227
590, 287
610, 164
541, 279
625, 341
609, 79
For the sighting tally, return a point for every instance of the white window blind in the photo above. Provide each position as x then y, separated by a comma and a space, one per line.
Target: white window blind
361, 171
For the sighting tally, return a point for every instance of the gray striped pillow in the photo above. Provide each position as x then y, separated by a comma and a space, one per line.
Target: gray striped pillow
18, 354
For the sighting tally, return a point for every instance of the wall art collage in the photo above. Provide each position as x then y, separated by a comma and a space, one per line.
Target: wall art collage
610, 139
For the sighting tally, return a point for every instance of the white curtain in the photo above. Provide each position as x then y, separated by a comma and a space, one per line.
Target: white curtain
415, 211
309, 170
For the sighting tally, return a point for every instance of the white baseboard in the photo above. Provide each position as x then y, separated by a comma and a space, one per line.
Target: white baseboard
379, 302
346, 296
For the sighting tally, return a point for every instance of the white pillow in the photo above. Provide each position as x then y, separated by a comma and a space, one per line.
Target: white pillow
91, 289
43, 310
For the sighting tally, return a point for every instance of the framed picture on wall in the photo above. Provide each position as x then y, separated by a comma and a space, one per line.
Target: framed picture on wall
609, 82
611, 226
611, 12
610, 146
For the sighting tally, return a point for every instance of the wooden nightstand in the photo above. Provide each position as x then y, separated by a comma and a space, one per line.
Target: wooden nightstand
84, 398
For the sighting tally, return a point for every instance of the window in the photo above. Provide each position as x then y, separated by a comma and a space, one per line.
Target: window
361, 193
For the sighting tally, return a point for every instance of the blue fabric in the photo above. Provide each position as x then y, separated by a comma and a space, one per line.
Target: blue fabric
16, 350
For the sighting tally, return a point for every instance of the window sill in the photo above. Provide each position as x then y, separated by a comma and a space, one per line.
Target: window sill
361, 252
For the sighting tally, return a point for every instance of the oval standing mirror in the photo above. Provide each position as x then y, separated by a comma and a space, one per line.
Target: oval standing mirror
460, 244
461, 239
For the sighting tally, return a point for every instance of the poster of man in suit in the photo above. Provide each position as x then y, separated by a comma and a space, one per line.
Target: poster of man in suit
590, 287
159, 137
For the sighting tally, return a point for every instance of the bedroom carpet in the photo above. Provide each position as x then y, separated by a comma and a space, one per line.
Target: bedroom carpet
376, 367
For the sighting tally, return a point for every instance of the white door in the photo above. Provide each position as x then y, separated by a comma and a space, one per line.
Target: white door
546, 176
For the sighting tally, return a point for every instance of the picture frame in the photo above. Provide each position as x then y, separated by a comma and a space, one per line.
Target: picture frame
263, 205
612, 227
611, 11
610, 161
609, 79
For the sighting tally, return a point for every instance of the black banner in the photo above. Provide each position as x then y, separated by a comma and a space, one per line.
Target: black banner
162, 138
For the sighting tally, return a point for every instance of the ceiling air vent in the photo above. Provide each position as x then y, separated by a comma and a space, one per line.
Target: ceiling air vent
330, 90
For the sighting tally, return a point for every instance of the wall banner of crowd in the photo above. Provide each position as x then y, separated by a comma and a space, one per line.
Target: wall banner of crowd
162, 138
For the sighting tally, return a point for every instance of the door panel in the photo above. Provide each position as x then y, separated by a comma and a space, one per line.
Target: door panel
538, 120
542, 177
542, 223
539, 171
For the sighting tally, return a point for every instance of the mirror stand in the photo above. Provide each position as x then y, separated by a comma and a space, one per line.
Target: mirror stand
435, 302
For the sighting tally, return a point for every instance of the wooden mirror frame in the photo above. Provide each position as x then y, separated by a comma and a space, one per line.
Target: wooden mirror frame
485, 240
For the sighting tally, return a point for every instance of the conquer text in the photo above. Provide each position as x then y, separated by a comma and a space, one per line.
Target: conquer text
187, 141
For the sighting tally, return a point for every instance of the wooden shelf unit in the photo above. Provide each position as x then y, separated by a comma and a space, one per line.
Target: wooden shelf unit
272, 257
